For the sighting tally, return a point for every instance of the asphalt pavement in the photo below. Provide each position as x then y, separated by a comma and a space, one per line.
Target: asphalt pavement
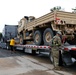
21, 63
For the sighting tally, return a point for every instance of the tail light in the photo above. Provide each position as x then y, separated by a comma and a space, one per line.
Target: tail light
58, 21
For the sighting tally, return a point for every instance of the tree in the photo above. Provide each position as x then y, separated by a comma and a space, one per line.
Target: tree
0, 36
56, 8
74, 10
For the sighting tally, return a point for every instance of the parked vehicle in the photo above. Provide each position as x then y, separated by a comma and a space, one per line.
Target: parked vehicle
9, 31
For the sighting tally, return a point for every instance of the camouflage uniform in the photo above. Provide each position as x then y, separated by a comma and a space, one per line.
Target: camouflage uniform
56, 43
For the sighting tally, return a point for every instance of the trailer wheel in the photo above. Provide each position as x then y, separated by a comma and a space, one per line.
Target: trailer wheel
38, 37
47, 36
21, 41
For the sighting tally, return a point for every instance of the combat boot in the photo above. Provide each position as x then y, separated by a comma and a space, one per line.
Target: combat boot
57, 68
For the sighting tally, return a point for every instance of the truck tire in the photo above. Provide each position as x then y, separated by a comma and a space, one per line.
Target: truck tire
38, 37
21, 39
47, 36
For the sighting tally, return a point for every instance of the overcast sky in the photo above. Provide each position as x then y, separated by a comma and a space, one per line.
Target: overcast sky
11, 11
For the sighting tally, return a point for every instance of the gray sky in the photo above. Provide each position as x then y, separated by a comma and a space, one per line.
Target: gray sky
11, 11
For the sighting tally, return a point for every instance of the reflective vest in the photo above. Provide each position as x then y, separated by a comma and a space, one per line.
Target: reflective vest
12, 42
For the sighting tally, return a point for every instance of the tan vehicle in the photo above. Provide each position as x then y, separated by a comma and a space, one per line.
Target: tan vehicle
36, 34
41, 30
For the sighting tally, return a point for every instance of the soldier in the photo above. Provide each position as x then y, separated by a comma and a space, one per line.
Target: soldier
56, 43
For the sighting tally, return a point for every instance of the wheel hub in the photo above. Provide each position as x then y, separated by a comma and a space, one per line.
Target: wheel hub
48, 37
37, 38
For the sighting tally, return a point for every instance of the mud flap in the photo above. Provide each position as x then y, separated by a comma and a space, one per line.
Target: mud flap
67, 59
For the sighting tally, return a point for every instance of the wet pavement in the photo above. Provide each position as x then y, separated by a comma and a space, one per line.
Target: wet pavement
21, 63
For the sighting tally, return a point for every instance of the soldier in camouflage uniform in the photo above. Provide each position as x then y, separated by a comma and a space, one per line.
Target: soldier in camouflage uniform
56, 43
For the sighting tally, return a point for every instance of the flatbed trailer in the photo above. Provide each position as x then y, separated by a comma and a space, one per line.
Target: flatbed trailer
68, 52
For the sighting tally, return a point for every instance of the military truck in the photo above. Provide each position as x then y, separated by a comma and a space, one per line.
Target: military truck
36, 34
41, 30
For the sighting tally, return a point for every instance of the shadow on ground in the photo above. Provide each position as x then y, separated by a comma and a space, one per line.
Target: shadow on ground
7, 53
